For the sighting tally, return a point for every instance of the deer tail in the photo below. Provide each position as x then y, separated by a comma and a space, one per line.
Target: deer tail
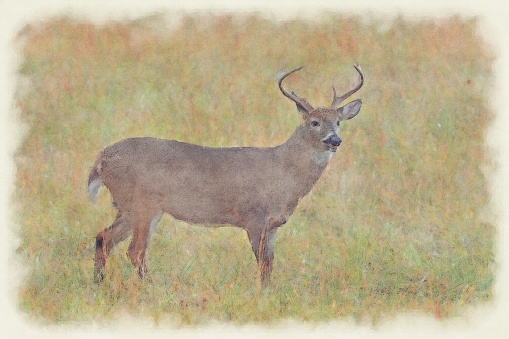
95, 180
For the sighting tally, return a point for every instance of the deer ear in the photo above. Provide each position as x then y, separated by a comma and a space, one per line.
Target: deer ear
349, 110
302, 110
303, 106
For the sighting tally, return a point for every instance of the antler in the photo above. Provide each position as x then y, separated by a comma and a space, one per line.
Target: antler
301, 102
339, 99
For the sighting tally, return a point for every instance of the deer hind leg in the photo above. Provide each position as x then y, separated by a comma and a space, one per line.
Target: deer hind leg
262, 244
142, 233
106, 240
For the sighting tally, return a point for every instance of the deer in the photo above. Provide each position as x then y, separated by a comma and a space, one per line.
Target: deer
253, 188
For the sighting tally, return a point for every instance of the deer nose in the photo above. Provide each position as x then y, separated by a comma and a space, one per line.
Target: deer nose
333, 140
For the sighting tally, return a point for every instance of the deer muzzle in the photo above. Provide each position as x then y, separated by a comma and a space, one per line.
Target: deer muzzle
332, 142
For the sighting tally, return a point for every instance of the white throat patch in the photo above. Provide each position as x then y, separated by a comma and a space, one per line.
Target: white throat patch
321, 157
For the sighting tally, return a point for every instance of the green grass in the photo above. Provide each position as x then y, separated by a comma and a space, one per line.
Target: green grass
400, 221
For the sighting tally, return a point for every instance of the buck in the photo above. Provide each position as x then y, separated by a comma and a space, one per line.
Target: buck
254, 188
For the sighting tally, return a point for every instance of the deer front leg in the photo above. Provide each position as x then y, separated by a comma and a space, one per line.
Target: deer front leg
262, 244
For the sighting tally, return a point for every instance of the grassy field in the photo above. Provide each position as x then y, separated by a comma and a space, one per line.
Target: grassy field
399, 222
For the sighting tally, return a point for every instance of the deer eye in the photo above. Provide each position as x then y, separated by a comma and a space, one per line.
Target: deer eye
315, 123
337, 123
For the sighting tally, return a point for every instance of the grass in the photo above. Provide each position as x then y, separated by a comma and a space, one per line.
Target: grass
400, 221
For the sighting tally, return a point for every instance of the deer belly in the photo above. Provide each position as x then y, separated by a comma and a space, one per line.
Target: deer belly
199, 208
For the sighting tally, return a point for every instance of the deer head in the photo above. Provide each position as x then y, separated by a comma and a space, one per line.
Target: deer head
322, 123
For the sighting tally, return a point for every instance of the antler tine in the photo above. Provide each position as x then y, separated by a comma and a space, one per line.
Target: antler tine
339, 99
301, 102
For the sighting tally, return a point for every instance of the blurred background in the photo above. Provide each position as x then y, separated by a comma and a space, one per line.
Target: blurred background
401, 219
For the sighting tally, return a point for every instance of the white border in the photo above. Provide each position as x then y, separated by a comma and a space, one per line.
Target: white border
487, 321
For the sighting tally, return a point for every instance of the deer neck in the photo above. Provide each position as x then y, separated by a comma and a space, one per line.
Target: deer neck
300, 152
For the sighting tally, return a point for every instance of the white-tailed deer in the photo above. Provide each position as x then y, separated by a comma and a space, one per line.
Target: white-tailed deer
254, 188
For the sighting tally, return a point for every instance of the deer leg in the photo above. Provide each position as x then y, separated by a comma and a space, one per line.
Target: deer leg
266, 255
142, 234
106, 240
262, 244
